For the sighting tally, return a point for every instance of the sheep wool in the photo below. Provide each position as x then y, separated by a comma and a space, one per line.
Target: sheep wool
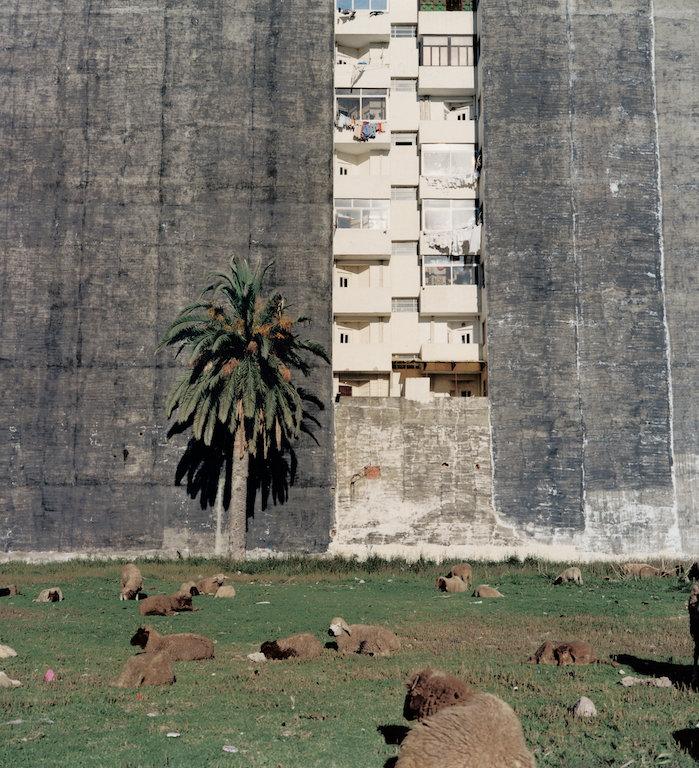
131, 582
570, 574
227, 590
163, 605
363, 638
51, 595
147, 669
431, 690
463, 571
180, 647
453, 584
482, 733
303, 645
485, 590
210, 586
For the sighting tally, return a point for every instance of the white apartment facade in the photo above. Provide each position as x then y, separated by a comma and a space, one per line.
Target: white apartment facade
408, 298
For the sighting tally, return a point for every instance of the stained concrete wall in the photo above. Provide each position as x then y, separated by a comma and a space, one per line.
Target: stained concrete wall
590, 179
141, 145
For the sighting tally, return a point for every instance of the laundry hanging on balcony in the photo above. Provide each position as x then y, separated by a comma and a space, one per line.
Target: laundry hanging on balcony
454, 241
363, 129
452, 182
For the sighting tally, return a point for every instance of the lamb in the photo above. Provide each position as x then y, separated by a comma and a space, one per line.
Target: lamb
131, 582
189, 588
147, 669
453, 584
227, 590
639, 571
162, 605
570, 574
431, 690
363, 638
463, 571
11, 589
693, 608
182, 647
302, 645
485, 590
51, 595
482, 733
564, 654
210, 586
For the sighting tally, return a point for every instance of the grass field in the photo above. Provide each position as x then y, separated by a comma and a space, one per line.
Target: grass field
339, 712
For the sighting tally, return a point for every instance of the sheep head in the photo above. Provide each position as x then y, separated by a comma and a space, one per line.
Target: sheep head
337, 626
141, 637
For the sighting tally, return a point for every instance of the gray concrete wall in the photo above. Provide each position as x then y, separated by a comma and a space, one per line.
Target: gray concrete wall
590, 178
141, 145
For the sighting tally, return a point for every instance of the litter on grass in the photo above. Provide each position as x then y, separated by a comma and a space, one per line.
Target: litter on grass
227, 748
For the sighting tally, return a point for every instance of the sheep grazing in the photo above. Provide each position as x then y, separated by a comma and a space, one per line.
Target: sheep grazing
131, 582
463, 571
563, 654
162, 605
11, 589
484, 732
570, 574
51, 595
182, 647
303, 645
363, 638
693, 608
210, 586
227, 590
147, 669
431, 690
639, 571
485, 590
453, 584
189, 588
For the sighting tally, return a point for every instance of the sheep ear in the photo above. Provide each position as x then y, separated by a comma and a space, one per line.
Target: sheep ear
347, 629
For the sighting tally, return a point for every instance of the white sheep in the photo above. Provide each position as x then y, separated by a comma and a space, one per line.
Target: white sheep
181, 647
463, 571
51, 595
131, 582
302, 645
482, 733
570, 574
227, 590
485, 590
211, 585
453, 584
363, 638
147, 669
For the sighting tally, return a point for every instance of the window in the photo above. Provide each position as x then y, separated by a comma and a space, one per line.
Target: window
403, 30
404, 139
447, 215
344, 338
358, 213
343, 170
448, 159
448, 51
440, 270
362, 5
403, 86
362, 103
344, 282
408, 248
403, 305
404, 193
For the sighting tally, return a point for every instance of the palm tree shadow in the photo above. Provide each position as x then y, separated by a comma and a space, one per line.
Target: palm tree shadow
688, 739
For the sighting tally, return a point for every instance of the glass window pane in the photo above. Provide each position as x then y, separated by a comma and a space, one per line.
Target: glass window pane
462, 217
436, 163
348, 106
373, 108
379, 5
361, 5
436, 275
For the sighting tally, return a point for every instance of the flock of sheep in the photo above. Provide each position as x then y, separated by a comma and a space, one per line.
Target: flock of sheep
455, 726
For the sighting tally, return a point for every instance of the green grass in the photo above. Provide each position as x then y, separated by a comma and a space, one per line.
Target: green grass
334, 712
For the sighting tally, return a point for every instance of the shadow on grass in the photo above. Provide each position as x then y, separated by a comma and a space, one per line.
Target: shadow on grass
679, 674
393, 734
688, 739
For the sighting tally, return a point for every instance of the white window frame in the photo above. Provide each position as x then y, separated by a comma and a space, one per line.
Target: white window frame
454, 207
404, 305
448, 51
442, 270
362, 213
451, 167
404, 31
377, 6
367, 102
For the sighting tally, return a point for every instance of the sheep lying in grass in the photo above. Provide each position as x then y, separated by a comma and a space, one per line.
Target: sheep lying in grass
363, 638
454, 584
181, 647
6, 652
11, 589
210, 586
693, 608
147, 669
131, 582
166, 605
302, 645
484, 732
570, 574
51, 595
485, 590
431, 690
563, 654
463, 571
227, 590
189, 588
639, 571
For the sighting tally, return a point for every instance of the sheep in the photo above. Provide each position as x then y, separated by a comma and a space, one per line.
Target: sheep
51, 595
482, 733
182, 647
363, 638
7, 682
303, 645
485, 590
147, 669
210, 586
693, 573
189, 588
564, 654
453, 584
639, 571
131, 582
463, 571
693, 608
431, 690
162, 605
570, 574
227, 590
6, 652
11, 589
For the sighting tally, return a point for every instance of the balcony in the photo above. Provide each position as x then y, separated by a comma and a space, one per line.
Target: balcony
346, 141
450, 353
362, 358
356, 29
442, 21
447, 132
446, 81
362, 75
362, 185
362, 302
449, 300
362, 244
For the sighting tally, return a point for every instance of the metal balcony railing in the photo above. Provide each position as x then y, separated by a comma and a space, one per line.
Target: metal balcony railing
448, 5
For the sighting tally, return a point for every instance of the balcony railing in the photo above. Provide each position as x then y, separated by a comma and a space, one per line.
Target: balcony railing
447, 5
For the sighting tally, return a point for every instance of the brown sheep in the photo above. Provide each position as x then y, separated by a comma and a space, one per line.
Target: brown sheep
227, 590
453, 584
11, 589
210, 586
570, 574
131, 582
363, 638
431, 690
51, 595
463, 571
302, 645
189, 588
563, 654
482, 733
485, 590
640, 571
181, 647
147, 669
693, 608
162, 605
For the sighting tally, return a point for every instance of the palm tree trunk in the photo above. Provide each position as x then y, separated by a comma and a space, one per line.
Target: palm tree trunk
237, 511
219, 510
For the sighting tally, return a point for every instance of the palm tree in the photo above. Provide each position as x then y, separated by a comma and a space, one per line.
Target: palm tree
237, 392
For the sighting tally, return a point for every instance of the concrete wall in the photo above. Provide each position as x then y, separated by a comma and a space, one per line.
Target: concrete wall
141, 145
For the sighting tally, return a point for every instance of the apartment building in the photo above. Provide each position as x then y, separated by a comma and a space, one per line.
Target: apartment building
408, 299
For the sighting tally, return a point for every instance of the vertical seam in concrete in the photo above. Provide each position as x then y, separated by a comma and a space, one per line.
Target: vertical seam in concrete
673, 539
576, 269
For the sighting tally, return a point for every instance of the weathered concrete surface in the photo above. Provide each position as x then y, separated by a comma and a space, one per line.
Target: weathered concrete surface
590, 173
141, 145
